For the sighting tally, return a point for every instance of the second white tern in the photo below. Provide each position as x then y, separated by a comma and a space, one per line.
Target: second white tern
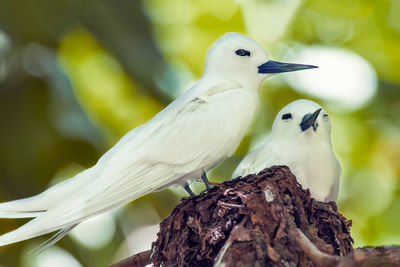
300, 139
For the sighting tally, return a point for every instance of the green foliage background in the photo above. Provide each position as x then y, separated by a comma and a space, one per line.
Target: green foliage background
77, 75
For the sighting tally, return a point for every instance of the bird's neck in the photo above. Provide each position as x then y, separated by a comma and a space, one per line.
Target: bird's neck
252, 85
303, 142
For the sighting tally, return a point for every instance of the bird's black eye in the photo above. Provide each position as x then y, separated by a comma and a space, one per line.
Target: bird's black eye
242, 53
286, 116
325, 116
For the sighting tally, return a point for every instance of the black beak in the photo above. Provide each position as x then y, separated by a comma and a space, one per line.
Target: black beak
309, 120
278, 67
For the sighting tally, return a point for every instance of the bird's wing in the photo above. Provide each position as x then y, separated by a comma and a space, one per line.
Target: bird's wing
204, 131
262, 157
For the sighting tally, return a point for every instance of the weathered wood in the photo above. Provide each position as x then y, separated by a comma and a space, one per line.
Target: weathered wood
260, 220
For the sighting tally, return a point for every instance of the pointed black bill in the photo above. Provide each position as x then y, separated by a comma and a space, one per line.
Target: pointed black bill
309, 120
278, 67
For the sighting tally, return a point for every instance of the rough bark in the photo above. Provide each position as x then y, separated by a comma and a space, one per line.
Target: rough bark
261, 220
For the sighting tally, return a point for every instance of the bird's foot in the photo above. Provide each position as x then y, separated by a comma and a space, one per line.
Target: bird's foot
190, 192
206, 181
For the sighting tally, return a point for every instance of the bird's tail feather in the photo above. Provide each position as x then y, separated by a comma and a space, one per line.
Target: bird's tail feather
69, 213
37, 205
54, 239
22, 208
29, 230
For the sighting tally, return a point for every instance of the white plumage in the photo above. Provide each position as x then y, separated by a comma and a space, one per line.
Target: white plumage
303, 145
189, 137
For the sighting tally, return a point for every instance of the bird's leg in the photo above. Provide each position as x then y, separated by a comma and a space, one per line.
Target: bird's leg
190, 192
205, 180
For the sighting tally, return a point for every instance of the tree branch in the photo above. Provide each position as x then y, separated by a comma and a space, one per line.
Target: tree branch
137, 260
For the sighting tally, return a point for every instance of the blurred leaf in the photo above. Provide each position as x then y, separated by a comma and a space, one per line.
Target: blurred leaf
102, 87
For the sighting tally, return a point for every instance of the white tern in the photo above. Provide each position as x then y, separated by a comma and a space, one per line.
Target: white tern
300, 139
189, 137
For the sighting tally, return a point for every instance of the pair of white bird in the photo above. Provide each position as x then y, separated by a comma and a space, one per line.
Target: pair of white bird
189, 137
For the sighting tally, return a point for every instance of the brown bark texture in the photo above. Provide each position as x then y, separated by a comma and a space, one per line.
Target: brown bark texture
259, 220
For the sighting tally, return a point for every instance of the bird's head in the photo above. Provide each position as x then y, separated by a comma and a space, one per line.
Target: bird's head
302, 120
238, 58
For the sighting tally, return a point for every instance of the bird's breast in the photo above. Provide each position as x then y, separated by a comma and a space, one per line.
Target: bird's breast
318, 170
231, 116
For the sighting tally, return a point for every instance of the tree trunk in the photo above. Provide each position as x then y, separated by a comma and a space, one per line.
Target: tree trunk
260, 220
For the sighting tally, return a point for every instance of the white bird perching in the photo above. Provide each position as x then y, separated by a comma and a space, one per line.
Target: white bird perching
301, 140
185, 140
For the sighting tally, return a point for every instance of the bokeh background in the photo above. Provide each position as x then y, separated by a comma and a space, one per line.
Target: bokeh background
77, 75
